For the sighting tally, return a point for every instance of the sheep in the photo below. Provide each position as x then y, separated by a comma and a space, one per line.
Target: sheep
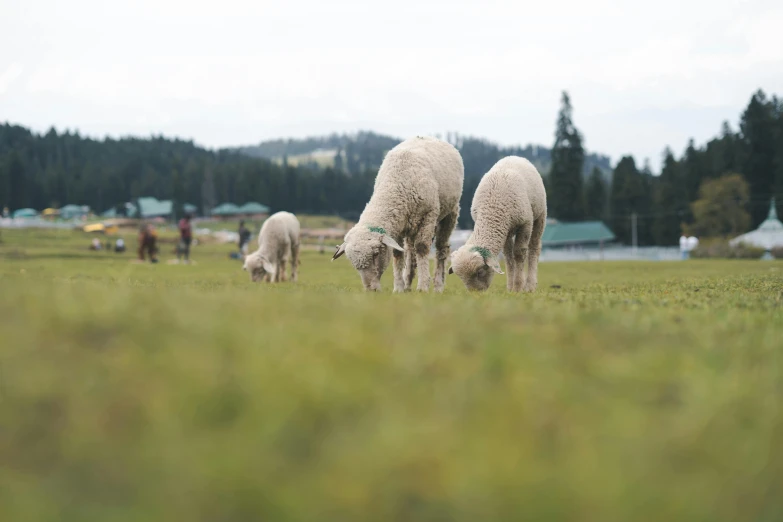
509, 211
279, 237
415, 200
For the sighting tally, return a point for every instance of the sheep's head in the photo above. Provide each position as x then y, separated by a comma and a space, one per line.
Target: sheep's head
475, 266
258, 266
368, 249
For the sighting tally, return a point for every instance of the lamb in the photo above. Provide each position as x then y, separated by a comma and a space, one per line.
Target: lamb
415, 200
509, 211
279, 237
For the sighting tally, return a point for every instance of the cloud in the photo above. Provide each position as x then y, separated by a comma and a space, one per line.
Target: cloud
7, 77
641, 77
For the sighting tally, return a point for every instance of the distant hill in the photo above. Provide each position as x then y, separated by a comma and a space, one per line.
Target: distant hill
362, 151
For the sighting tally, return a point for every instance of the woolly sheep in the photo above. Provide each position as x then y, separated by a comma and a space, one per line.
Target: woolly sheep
279, 237
509, 211
415, 200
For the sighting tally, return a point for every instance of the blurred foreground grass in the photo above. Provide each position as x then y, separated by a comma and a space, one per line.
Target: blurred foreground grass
619, 391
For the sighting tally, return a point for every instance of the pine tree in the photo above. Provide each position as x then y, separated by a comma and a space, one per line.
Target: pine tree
17, 182
692, 171
625, 198
758, 141
595, 195
565, 175
670, 202
208, 191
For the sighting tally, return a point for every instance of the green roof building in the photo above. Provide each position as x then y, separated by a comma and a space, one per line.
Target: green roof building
24, 213
226, 209
585, 233
74, 211
152, 207
253, 208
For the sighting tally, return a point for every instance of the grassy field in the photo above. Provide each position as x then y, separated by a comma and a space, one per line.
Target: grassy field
617, 392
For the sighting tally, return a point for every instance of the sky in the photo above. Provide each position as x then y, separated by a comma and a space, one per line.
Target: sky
236, 72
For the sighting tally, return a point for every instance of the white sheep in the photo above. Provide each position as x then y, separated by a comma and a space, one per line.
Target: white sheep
415, 200
509, 211
278, 238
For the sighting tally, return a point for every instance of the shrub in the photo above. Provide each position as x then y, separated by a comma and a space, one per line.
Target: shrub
777, 252
721, 249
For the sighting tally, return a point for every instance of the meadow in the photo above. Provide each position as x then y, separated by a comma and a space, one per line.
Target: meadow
617, 392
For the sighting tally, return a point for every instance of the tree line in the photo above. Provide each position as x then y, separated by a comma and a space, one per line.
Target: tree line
54, 169
670, 203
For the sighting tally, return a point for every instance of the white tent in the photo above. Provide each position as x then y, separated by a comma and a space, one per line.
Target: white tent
769, 235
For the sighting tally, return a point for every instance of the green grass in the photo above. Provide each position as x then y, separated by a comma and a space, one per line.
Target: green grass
617, 392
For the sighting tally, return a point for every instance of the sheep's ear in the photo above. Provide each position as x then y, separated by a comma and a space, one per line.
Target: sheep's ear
389, 242
494, 264
268, 267
451, 270
340, 251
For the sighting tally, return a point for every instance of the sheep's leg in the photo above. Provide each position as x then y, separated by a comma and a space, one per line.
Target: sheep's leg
442, 235
511, 265
520, 255
423, 244
410, 265
398, 258
531, 281
281, 270
295, 262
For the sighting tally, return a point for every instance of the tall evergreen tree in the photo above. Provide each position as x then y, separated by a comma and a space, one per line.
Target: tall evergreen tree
670, 202
565, 176
626, 197
778, 183
758, 140
17, 182
692, 171
595, 195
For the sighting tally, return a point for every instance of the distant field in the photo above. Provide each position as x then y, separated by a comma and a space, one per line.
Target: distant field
324, 158
305, 221
617, 392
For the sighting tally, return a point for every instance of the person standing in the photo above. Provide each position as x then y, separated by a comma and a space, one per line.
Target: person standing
148, 243
185, 238
244, 238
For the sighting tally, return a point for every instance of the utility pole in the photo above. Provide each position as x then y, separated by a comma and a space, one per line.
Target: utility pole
634, 241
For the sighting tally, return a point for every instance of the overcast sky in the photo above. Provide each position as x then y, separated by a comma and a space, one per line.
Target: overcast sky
234, 72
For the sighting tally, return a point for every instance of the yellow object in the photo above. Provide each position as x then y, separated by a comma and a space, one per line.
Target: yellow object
94, 227
50, 212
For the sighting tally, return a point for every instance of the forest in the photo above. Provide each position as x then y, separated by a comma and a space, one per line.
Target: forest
54, 169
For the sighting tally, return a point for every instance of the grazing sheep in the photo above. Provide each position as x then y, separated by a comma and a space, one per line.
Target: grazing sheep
415, 200
509, 211
279, 237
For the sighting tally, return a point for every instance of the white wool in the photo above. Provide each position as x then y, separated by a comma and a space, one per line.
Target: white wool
278, 242
415, 201
509, 211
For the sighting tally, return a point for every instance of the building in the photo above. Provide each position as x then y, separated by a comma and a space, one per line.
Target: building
769, 235
584, 234
24, 213
74, 211
153, 208
250, 209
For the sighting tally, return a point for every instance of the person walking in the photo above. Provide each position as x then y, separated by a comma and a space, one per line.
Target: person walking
148, 239
185, 238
